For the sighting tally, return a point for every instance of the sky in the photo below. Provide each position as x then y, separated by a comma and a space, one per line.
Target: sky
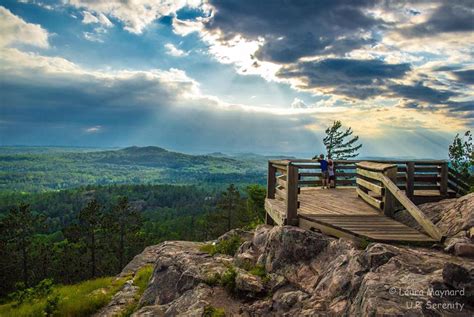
237, 75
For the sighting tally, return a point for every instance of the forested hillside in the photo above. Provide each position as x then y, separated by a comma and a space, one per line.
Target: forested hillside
43, 169
92, 231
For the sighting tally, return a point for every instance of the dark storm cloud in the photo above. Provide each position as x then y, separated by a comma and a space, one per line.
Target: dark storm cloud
452, 16
351, 77
465, 76
293, 29
421, 92
136, 109
78, 99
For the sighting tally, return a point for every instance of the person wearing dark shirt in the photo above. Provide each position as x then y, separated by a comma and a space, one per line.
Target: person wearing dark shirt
324, 171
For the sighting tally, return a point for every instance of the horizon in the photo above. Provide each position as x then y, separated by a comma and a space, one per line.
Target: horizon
296, 155
210, 76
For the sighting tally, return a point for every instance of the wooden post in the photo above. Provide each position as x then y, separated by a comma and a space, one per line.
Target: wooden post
410, 185
292, 195
269, 220
335, 177
388, 198
443, 183
271, 181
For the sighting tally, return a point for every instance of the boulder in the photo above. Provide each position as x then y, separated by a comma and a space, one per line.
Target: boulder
311, 274
249, 284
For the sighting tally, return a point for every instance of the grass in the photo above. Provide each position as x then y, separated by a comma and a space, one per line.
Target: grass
82, 299
141, 279
226, 279
228, 246
211, 311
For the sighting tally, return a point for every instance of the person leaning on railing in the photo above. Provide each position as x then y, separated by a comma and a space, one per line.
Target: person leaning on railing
324, 171
332, 177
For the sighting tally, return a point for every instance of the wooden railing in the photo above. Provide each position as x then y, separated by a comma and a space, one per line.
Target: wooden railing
282, 184
457, 183
376, 185
371, 188
286, 177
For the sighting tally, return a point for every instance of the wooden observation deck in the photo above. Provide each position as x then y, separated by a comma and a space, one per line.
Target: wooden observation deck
364, 200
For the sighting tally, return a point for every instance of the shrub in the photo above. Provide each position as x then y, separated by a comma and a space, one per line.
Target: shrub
259, 271
211, 311
228, 280
208, 248
42, 289
228, 246
51, 306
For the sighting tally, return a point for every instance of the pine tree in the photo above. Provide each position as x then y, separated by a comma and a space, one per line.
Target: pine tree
256, 201
90, 221
18, 229
124, 220
340, 144
230, 204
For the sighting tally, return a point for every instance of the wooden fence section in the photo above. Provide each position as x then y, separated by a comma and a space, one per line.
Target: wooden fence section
282, 185
376, 186
456, 182
423, 181
293, 197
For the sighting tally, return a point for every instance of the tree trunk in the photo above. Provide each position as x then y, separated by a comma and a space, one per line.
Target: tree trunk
93, 254
25, 263
121, 247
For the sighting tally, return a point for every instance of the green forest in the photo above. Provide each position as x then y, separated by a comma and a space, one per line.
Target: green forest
92, 231
70, 214
37, 169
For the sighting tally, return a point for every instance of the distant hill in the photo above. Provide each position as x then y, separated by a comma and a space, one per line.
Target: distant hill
36, 169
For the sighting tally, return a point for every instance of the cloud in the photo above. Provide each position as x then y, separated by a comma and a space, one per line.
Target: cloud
99, 19
356, 78
174, 51
135, 15
94, 129
16, 31
451, 17
292, 30
298, 104
422, 93
465, 76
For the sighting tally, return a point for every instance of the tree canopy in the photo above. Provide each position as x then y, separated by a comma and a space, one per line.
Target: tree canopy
339, 143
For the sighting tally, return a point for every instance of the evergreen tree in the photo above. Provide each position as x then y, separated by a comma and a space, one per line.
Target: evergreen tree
461, 155
339, 143
125, 221
256, 201
230, 204
90, 222
17, 230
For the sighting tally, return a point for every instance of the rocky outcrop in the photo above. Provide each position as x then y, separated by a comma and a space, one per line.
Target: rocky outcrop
308, 274
127, 295
288, 271
455, 219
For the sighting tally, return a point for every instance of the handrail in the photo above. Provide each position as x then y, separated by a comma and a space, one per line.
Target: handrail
414, 211
384, 174
284, 188
456, 182
416, 178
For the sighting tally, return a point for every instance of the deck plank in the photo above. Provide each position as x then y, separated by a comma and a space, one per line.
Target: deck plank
342, 213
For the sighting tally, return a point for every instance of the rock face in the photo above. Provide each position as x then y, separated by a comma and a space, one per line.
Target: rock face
455, 219
126, 296
309, 274
288, 271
